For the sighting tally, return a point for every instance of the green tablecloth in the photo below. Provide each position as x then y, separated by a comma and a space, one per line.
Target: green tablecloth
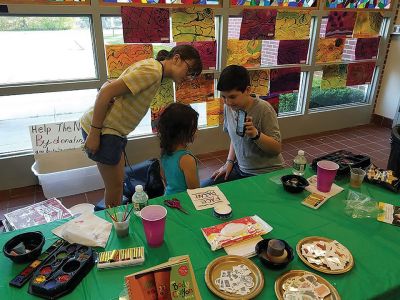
374, 245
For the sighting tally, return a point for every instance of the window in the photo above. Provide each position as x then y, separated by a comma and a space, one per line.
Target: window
46, 49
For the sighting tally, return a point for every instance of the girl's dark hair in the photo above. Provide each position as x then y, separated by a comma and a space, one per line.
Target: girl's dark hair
186, 52
177, 125
233, 77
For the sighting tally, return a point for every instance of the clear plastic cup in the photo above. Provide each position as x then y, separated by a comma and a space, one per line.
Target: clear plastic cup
326, 173
153, 219
356, 177
121, 228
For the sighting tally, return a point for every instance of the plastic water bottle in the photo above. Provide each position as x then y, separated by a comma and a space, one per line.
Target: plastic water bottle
299, 163
139, 199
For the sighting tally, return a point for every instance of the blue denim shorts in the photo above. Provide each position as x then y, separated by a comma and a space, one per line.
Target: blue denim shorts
110, 150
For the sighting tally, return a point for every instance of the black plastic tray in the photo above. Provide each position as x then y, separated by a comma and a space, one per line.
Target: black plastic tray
344, 158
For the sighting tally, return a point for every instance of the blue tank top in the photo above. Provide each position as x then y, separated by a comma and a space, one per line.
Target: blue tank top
174, 176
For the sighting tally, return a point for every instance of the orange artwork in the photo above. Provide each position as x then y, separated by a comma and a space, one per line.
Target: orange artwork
200, 89
244, 53
330, 50
259, 82
120, 57
215, 112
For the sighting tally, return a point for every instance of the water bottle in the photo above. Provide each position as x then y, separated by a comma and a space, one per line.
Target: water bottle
299, 163
139, 199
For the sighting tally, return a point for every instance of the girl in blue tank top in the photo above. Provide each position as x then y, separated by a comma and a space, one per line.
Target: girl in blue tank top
176, 129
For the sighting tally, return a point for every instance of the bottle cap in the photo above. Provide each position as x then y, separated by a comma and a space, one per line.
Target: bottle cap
139, 188
301, 152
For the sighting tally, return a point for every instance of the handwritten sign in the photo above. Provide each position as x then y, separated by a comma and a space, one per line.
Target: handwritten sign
207, 197
55, 137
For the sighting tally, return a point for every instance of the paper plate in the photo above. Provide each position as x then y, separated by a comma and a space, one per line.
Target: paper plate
334, 295
214, 268
82, 208
323, 268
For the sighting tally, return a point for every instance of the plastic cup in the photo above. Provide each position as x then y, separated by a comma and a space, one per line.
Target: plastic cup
356, 177
121, 228
153, 219
326, 173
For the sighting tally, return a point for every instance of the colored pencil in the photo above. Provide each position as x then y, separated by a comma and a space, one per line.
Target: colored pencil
128, 213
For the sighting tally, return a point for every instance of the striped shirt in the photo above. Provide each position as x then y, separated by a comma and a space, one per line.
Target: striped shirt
143, 80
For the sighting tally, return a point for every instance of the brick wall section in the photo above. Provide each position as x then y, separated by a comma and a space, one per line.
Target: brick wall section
322, 32
269, 52
349, 52
234, 28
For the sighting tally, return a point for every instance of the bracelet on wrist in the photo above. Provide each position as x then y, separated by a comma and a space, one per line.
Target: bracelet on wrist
230, 161
95, 127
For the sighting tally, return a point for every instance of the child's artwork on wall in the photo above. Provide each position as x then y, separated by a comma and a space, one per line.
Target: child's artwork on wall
145, 24
367, 48
292, 25
334, 76
340, 23
259, 82
258, 24
215, 112
208, 53
193, 24
200, 89
284, 80
275, 3
244, 53
368, 24
330, 50
360, 73
292, 52
120, 57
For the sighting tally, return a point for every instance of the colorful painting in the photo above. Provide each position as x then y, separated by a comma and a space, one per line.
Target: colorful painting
340, 23
275, 3
292, 25
215, 112
244, 53
145, 24
360, 4
334, 76
120, 57
367, 48
368, 24
259, 82
155, 2
272, 99
193, 24
208, 53
285, 80
360, 73
292, 52
155, 117
258, 24
164, 96
330, 50
200, 89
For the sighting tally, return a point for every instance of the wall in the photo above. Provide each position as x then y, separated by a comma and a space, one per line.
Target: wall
389, 94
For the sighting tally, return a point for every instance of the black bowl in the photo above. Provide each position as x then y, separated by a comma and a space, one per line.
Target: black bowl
33, 241
294, 187
262, 246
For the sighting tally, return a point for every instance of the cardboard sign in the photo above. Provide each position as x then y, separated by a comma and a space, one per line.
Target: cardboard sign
207, 197
55, 137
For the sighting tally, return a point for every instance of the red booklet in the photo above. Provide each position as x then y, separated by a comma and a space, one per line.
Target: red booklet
38, 213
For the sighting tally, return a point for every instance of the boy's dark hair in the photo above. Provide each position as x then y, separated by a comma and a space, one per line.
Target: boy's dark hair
177, 125
186, 52
233, 77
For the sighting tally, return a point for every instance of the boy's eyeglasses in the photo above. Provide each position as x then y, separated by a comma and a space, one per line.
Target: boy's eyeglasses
190, 74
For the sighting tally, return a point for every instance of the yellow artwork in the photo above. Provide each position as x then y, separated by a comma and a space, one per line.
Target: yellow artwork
292, 25
368, 24
120, 57
259, 82
215, 112
193, 24
200, 89
334, 76
244, 53
330, 50
164, 96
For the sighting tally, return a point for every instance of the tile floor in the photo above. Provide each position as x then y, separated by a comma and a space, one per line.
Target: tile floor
371, 140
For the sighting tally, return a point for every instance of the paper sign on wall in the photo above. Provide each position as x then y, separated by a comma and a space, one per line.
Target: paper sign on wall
55, 137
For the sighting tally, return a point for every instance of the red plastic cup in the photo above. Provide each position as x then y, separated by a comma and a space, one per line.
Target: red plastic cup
153, 219
326, 173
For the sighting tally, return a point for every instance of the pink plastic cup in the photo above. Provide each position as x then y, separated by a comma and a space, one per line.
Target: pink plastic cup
153, 219
326, 173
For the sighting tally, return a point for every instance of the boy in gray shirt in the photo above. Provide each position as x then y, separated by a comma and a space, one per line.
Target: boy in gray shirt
259, 150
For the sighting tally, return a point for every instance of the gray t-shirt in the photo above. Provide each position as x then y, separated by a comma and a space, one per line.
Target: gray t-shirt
251, 158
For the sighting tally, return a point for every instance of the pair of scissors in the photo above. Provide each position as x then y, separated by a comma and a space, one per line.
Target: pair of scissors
175, 203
